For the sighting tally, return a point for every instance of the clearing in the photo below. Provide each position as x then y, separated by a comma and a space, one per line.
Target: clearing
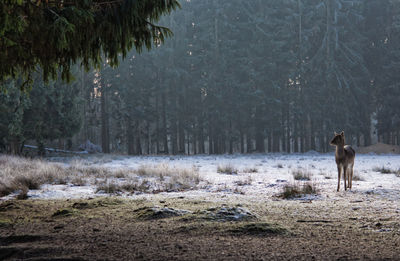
227, 207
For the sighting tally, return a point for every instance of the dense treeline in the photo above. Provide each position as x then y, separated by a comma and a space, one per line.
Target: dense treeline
252, 76
50, 112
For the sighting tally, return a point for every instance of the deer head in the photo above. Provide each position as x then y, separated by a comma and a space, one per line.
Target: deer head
338, 139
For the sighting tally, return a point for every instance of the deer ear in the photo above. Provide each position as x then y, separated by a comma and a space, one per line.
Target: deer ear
335, 133
342, 133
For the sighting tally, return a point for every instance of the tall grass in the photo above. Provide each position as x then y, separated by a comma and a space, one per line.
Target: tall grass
22, 174
18, 173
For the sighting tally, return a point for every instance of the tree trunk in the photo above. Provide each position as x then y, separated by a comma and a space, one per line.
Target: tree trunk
210, 137
288, 140
181, 138
105, 135
398, 137
270, 141
130, 137
284, 140
303, 139
241, 140
174, 137
15, 146
216, 143
188, 142
138, 149
157, 125
148, 138
164, 123
312, 136
322, 143
249, 146
85, 104
259, 139
201, 136
230, 137
276, 142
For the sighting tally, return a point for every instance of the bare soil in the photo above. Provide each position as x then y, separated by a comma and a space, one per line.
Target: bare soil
110, 229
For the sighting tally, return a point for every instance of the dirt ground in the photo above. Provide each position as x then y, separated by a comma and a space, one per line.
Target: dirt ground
110, 229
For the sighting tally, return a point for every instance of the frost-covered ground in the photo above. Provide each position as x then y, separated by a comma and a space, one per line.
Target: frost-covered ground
361, 224
259, 177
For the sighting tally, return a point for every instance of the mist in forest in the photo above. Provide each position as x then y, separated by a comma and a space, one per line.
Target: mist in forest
236, 77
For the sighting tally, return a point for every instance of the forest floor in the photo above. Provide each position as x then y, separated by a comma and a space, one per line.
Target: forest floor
232, 210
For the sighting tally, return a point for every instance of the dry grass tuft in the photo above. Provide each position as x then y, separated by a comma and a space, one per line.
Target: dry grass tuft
244, 182
250, 170
325, 175
384, 170
297, 190
78, 181
108, 187
170, 179
84, 168
358, 177
279, 166
138, 186
227, 169
299, 174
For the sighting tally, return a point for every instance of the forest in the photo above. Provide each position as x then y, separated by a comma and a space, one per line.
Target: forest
236, 77
199, 129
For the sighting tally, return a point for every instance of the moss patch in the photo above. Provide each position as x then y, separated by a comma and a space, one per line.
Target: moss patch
223, 214
63, 213
5, 223
259, 229
82, 205
104, 202
8, 205
149, 213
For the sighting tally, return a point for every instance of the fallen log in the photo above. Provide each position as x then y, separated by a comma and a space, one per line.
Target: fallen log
55, 150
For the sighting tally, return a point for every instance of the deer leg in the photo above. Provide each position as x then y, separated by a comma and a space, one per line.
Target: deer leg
348, 176
351, 177
339, 169
345, 176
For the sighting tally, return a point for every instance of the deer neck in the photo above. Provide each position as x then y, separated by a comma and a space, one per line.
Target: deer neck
340, 151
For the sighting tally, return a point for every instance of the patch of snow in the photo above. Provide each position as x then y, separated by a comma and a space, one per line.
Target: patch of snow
274, 171
62, 192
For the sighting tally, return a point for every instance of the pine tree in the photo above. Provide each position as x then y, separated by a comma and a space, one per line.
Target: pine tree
56, 35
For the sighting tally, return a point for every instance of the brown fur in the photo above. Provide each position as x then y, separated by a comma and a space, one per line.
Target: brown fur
344, 157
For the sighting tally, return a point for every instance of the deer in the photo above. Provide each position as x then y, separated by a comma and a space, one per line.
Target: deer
344, 157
